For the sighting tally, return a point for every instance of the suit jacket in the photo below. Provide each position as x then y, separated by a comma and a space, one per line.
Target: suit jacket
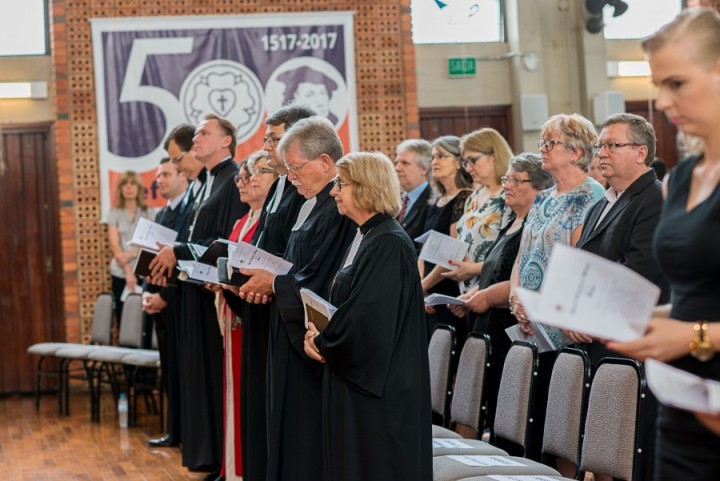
625, 235
417, 221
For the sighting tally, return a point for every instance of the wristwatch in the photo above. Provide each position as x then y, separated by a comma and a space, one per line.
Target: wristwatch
701, 347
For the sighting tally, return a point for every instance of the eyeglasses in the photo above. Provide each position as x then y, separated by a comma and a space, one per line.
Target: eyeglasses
295, 169
471, 160
612, 146
512, 181
549, 144
271, 140
263, 171
178, 158
441, 156
339, 184
244, 179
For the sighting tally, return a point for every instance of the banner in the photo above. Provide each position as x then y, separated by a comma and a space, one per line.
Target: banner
153, 73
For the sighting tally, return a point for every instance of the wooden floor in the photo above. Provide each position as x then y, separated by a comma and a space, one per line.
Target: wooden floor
44, 446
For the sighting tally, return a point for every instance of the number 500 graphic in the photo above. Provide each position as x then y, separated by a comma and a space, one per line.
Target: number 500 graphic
154, 73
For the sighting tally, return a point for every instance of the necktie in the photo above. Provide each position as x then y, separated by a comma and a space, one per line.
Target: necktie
401, 215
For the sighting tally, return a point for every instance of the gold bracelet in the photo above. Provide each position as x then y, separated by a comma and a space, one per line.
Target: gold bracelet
701, 346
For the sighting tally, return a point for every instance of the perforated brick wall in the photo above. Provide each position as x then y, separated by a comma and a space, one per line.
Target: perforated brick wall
387, 112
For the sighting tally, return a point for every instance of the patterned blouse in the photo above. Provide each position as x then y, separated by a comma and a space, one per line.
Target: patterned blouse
552, 220
479, 226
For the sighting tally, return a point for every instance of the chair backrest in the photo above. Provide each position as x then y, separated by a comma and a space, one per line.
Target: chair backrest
516, 395
131, 322
102, 320
440, 352
154, 339
566, 404
467, 400
611, 427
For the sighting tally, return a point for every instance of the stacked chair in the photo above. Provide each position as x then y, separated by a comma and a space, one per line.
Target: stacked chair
101, 335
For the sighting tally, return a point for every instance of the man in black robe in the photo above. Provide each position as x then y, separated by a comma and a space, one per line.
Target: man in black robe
215, 210
172, 185
318, 240
278, 216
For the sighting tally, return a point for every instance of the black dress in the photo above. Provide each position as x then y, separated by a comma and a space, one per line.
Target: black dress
376, 383
316, 250
444, 217
686, 246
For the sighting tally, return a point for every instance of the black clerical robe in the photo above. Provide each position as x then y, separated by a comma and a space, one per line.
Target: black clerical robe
376, 386
271, 235
201, 340
315, 250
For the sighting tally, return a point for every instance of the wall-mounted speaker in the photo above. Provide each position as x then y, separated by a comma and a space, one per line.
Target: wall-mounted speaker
533, 111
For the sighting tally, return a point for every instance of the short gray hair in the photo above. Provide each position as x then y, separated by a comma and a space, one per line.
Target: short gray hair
314, 136
640, 132
532, 164
422, 150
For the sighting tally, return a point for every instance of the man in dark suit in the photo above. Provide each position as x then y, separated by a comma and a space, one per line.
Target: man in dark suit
620, 227
172, 185
412, 165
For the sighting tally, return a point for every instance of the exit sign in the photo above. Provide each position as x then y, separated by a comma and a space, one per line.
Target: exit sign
461, 67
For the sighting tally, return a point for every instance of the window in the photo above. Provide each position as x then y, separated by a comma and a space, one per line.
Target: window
24, 27
642, 18
457, 21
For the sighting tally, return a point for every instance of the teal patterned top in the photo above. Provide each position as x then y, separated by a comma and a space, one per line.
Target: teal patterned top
552, 220
479, 226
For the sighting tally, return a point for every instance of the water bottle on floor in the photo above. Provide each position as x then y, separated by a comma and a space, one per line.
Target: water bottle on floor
123, 411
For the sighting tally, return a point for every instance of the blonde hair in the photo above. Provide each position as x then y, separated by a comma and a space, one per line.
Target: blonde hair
577, 133
375, 184
489, 142
700, 24
130, 176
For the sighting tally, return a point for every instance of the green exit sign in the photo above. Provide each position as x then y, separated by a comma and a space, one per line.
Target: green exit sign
461, 67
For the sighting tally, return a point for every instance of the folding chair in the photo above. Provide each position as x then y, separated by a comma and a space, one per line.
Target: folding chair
101, 335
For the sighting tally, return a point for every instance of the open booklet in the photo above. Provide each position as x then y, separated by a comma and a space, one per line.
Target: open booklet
248, 256
439, 248
197, 272
219, 248
586, 293
680, 389
539, 337
442, 300
317, 310
148, 234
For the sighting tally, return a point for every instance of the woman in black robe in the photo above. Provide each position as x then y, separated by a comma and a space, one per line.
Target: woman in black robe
376, 383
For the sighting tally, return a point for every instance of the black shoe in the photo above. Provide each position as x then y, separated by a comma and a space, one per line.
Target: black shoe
163, 442
214, 476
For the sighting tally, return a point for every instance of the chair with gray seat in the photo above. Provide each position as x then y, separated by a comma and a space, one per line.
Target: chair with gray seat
512, 423
144, 360
610, 440
441, 351
101, 334
467, 405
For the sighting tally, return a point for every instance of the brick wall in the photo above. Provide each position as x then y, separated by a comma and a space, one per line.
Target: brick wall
387, 112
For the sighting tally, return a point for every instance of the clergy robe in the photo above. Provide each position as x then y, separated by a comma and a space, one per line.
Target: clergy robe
315, 249
214, 215
271, 235
376, 385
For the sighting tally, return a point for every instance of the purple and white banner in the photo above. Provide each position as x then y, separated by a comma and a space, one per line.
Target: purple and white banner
153, 73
